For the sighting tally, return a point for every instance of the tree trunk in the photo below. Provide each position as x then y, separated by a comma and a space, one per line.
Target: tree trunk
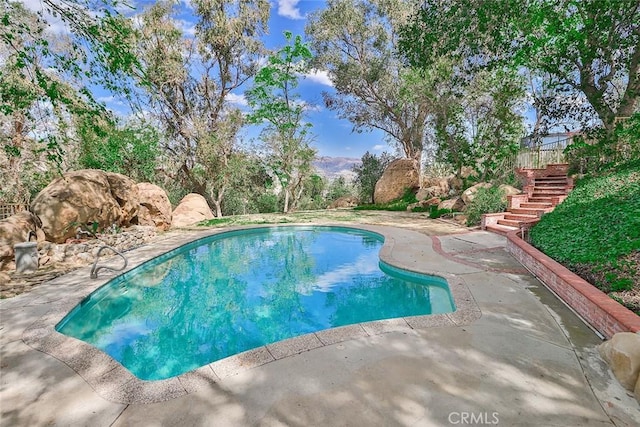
286, 200
218, 206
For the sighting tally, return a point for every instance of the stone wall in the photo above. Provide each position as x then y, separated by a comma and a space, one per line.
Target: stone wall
82, 252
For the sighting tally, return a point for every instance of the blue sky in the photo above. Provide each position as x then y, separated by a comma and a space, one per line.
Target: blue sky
332, 136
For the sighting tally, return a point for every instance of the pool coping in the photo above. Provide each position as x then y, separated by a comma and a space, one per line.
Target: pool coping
115, 383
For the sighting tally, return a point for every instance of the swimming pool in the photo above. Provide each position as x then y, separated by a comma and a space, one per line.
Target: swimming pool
239, 290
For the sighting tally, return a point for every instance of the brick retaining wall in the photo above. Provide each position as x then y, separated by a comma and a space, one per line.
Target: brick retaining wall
604, 314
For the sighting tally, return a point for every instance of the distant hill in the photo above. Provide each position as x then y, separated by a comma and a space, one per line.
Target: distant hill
333, 167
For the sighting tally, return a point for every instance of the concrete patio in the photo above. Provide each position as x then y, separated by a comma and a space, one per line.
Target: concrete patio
518, 357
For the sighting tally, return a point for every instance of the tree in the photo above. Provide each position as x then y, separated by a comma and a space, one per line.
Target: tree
274, 102
356, 41
44, 79
368, 172
132, 149
339, 187
476, 117
494, 109
589, 48
188, 82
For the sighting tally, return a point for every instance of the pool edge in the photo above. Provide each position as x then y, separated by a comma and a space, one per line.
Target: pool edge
115, 383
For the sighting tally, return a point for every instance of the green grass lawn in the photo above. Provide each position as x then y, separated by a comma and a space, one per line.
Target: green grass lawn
595, 232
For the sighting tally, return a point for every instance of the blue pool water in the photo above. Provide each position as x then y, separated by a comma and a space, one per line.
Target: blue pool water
239, 290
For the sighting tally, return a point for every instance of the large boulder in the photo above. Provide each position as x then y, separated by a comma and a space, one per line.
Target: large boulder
155, 207
126, 193
344, 202
192, 209
433, 187
470, 193
81, 198
455, 183
17, 228
508, 190
468, 171
456, 204
622, 353
397, 177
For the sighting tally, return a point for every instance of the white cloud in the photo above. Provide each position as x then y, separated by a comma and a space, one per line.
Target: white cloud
308, 107
237, 99
318, 76
187, 28
289, 9
364, 264
378, 147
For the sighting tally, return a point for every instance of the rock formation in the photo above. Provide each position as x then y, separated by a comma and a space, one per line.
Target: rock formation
155, 207
81, 198
344, 202
397, 177
470, 193
622, 353
192, 209
456, 204
17, 229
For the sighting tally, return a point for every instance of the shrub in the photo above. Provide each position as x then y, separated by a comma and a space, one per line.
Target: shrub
486, 200
400, 204
434, 212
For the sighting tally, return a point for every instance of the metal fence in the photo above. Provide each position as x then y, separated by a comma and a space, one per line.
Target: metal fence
8, 209
543, 154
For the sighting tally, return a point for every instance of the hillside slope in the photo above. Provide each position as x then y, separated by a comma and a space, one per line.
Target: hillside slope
595, 233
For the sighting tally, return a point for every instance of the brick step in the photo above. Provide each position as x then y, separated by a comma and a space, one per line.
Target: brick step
500, 229
520, 217
549, 188
548, 193
555, 182
540, 200
534, 205
509, 222
552, 178
524, 211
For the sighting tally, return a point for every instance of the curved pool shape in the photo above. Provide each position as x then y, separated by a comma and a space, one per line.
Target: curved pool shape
239, 290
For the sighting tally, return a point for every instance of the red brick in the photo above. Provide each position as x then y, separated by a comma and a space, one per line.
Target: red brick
603, 313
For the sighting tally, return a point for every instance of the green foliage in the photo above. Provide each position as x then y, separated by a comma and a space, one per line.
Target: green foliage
187, 83
249, 187
215, 222
434, 212
356, 42
45, 77
476, 118
605, 151
400, 204
584, 49
338, 188
132, 150
486, 200
596, 227
274, 102
368, 172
